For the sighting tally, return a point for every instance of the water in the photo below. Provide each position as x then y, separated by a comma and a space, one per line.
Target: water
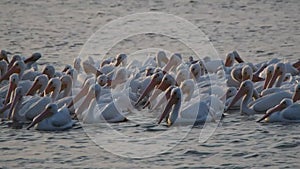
258, 30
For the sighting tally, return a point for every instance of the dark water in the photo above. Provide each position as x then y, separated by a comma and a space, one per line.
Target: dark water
259, 30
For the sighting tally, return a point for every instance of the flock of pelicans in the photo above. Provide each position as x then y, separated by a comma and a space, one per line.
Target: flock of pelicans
174, 90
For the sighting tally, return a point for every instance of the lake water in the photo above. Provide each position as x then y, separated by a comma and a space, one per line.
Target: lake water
259, 30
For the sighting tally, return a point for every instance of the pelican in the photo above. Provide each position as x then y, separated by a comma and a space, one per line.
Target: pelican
262, 104
52, 119
95, 112
194, 114
286, 111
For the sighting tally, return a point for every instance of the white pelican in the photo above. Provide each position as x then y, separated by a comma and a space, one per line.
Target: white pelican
95, 112
52, 119
286, 111
194, 114
262, 104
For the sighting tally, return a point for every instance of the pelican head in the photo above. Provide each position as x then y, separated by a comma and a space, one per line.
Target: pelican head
17, 100
269, 74
40, 83
18, 67
49, 111
167, 81
49, 70
33, 58
279, 71
195, 70
121, 59
76, 63
182, 75
174, 61
229, 61
245, 87
188, 87
156, 78
3, 55
161, 58
174, 103
247, 73
14, 59
53, 86
13, 83
102, 80
282, 105
66, 68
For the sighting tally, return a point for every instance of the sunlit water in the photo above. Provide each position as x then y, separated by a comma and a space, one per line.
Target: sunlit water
258, 30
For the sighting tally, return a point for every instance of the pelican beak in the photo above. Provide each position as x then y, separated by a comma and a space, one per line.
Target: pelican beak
297, 64
33, 58
228, 62
172, 101
237, 97
81, 94
45, 114
90, 95
11, 88
267, 81
33, 88
296, 96
271, 111
274, 77
14, 69
237, 57
256, 78
163, 86
167, 97
63, 86
16, 99
174, 61
246, 77
148, 89
118, 62
49, 89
